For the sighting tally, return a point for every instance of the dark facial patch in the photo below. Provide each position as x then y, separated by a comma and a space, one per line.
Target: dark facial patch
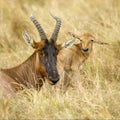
49, 59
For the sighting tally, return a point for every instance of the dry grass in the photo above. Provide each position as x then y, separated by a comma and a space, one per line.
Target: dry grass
97, 94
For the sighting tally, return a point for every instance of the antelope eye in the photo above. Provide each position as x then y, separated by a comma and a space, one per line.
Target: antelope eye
57, 50
92, 40
54, 54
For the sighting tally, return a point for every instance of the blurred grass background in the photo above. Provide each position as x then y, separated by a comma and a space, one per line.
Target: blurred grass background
97, 94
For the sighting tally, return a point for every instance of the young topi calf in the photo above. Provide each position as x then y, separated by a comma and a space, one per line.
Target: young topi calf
40, 65
73, 55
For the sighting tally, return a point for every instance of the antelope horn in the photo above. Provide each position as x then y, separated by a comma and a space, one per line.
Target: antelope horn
56, 29
39, 28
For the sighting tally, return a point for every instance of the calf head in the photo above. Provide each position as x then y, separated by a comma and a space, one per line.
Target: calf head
46, 50
85, 42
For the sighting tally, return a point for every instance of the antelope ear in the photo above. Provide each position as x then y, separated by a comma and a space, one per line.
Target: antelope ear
29, 40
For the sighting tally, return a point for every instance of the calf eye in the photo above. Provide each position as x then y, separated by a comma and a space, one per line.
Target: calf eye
81, 40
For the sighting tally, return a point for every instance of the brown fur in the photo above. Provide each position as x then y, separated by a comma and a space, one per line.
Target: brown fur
41, 64
29, 74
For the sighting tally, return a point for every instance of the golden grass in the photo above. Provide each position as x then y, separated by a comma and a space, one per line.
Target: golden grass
97, 94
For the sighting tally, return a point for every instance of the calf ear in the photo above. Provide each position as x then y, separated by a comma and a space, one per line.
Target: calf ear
78, 44
100, 42
74, 35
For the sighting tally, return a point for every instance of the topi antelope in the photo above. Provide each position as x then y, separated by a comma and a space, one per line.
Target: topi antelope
73, 55
40, 65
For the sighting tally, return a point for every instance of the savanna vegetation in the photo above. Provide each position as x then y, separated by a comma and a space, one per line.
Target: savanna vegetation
97, 93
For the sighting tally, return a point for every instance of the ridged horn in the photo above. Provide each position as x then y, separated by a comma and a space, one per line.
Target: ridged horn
56, 29
39, 28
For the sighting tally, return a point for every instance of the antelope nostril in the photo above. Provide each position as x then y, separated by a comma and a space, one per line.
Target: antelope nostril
85, 49
54, 80
58, 78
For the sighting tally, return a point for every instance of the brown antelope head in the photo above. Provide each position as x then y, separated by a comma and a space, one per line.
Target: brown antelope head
47, 49
85, 42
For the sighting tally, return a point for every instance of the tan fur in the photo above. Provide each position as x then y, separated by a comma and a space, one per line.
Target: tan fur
71, 58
